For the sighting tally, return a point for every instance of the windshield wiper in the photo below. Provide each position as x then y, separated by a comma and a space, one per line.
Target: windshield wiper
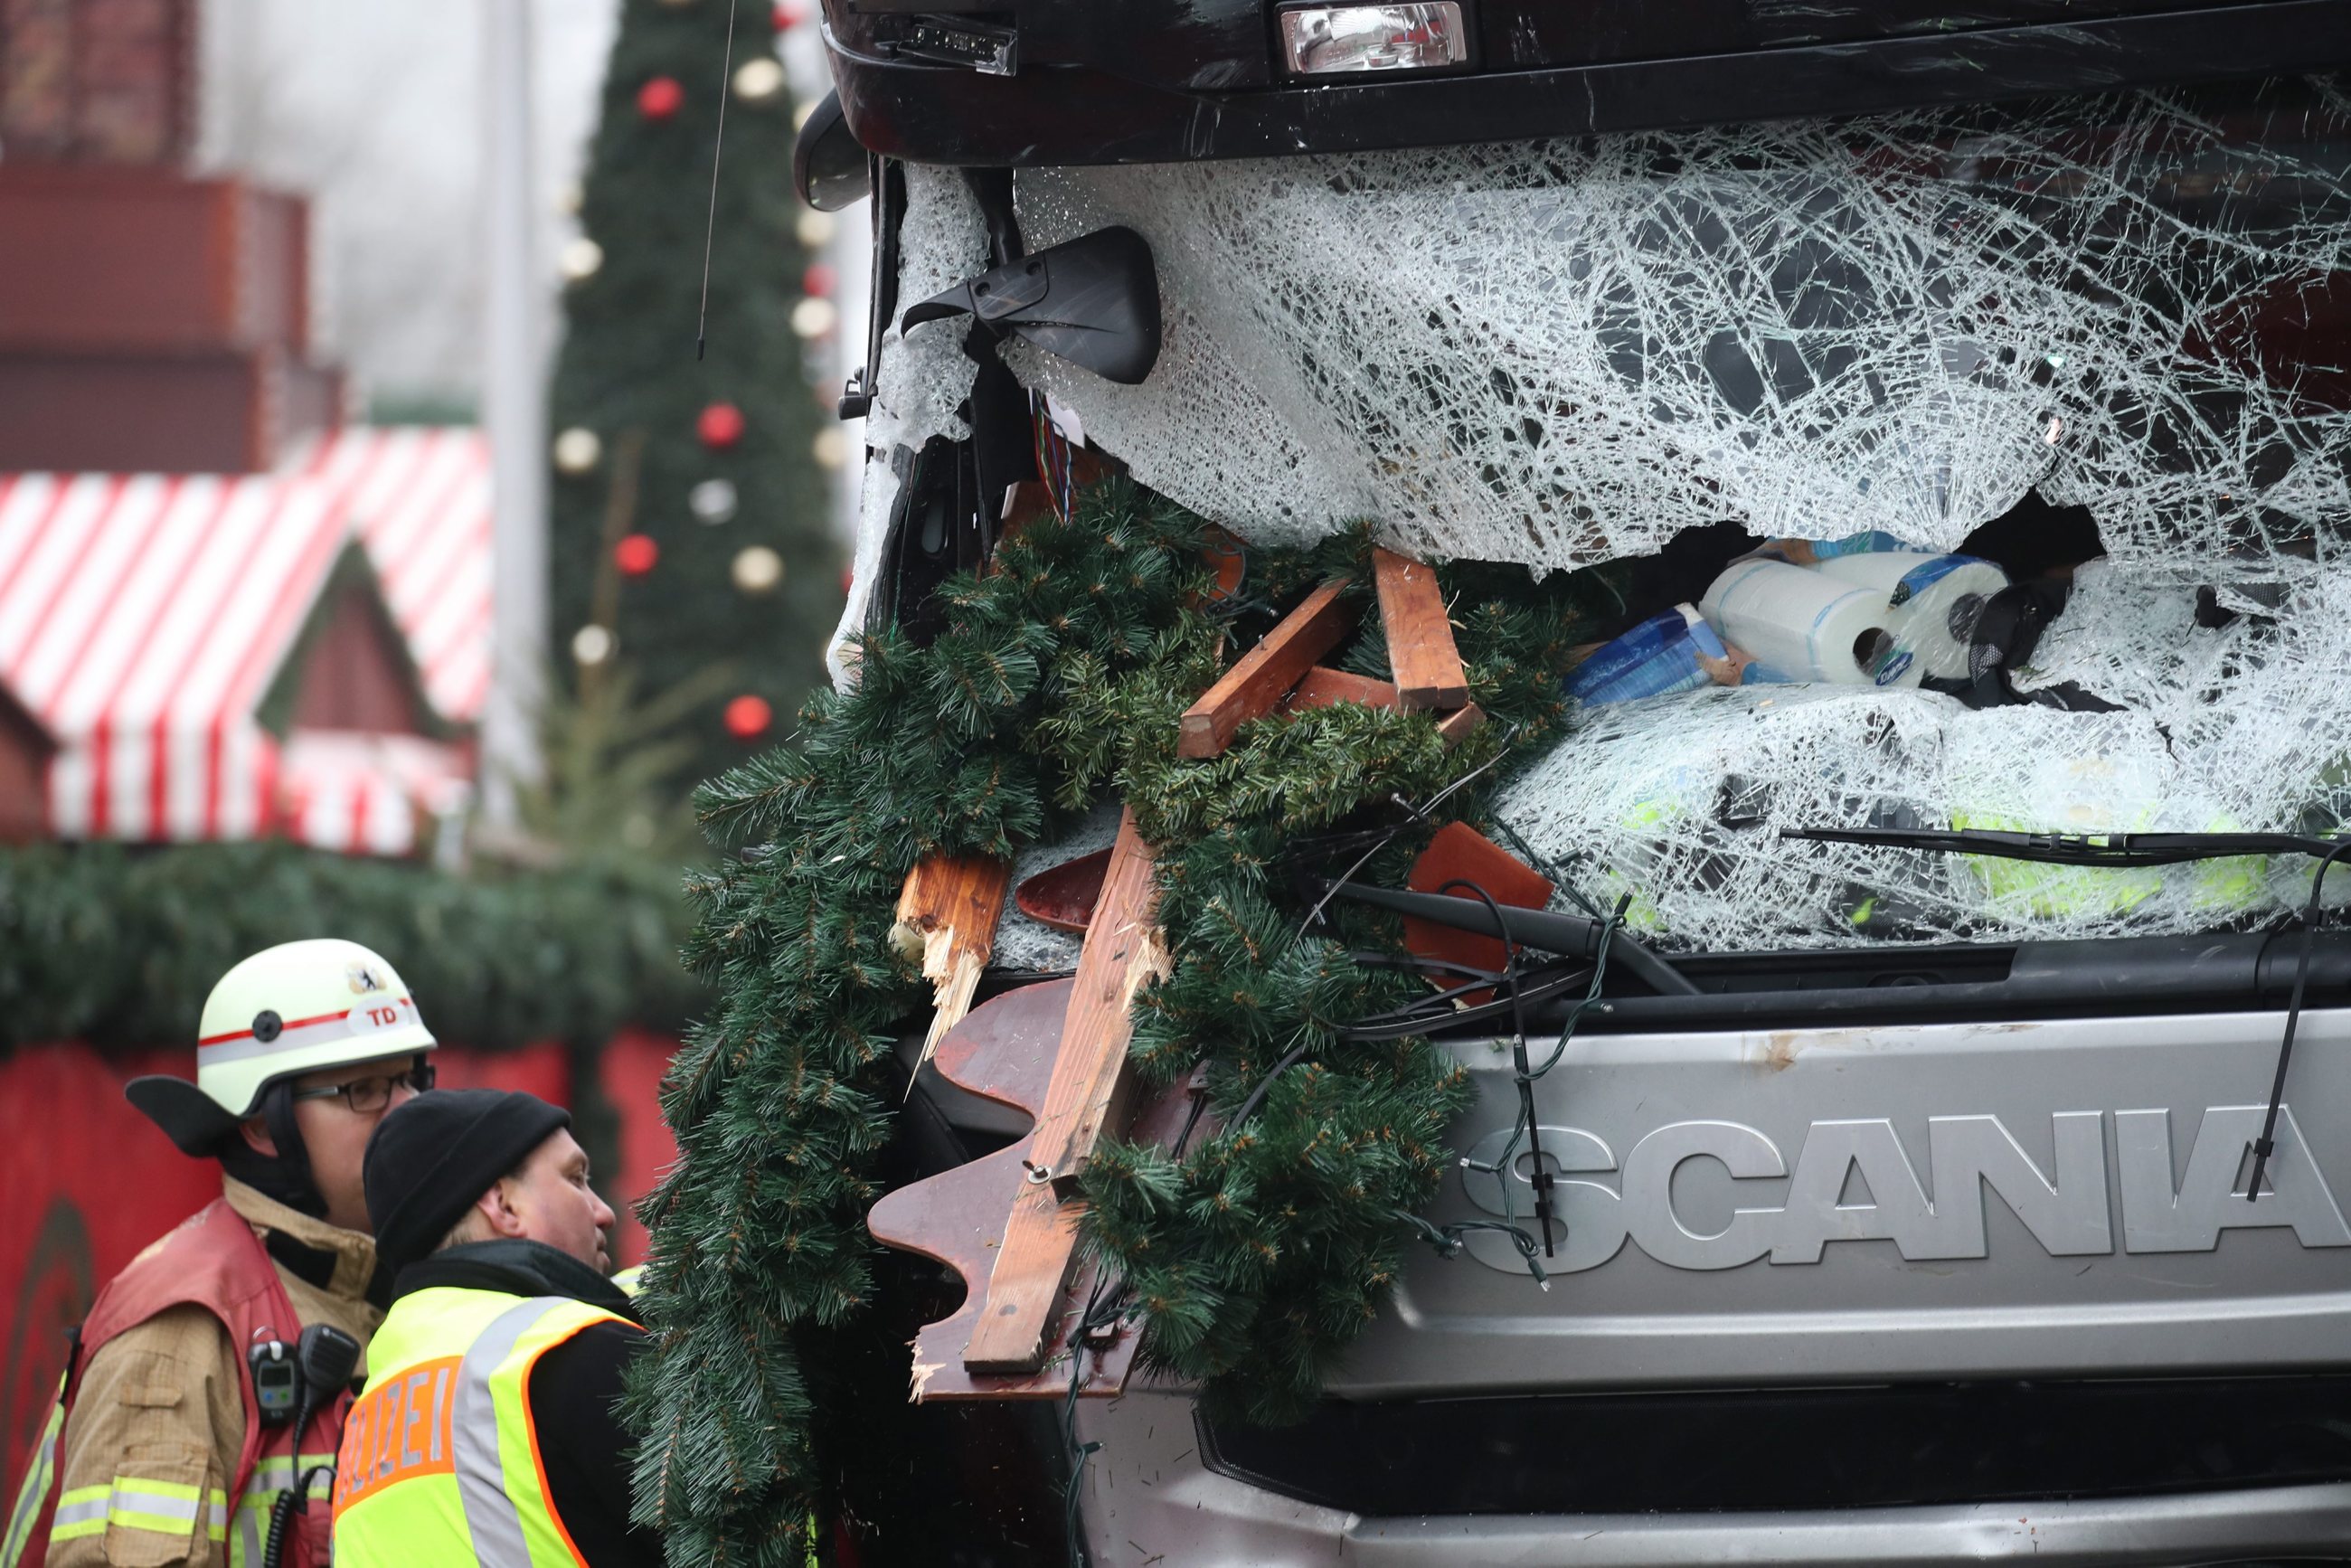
2126, 850
1571, 934
2118, 849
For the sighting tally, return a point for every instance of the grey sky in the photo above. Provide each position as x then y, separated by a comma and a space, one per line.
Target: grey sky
375, 110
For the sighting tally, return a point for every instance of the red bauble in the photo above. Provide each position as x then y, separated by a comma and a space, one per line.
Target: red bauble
848, 577
720, 426
748, 717
660, 98
817, 281
636, 555
788, 14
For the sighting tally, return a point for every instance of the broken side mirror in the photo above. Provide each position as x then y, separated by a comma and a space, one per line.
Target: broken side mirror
1094, 301
829, 168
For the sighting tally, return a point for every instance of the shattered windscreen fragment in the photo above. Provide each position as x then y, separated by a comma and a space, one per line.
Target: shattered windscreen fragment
1561, 352
921, 382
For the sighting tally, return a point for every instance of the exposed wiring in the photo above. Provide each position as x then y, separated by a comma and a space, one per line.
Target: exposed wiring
1525, 1078
1448, 1239
1413, 814
1055, 463
2266, 1144
1104, 1305
1545, 864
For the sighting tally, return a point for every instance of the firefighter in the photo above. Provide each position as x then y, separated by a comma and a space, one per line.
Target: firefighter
486, 1432
184, 1415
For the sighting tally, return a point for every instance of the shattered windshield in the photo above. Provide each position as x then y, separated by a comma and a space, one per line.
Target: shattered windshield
2118, 329
1561, 352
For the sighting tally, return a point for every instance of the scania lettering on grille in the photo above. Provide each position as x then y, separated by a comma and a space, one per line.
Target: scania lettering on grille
1938, 1213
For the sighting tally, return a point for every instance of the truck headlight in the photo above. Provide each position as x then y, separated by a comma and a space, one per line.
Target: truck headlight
1331, 40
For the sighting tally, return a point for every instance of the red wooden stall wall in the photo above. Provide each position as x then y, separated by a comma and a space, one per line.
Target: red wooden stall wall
86, 1182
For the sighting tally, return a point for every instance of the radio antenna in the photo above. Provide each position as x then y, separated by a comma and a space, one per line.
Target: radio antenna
717, 145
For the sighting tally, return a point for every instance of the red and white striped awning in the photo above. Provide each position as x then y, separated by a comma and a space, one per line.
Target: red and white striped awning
362, 793
144, 617
420, 498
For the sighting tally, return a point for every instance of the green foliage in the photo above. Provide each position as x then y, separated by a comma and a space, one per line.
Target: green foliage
1259, 1256
628, 365
120, 946
778, 1097
1264, 1250
608, 794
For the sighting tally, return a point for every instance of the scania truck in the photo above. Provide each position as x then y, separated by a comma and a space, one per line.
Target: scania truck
1921, 1227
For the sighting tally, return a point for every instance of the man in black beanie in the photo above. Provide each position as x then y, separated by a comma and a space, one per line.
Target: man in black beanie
504, 1339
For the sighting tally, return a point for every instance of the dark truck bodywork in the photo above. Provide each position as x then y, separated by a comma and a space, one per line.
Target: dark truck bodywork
1142, 82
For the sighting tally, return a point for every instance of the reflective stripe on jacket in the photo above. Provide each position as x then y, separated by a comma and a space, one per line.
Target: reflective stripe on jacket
440, 1462
170, 1507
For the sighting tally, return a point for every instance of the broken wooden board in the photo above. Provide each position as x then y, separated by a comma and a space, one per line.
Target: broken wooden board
1088, 1094
1003, 1052
1322, 686
952, 904
1023, 503
1063, 896
1455, 726
1256, 685
1427, 666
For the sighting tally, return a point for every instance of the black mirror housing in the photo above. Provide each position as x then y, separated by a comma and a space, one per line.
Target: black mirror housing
1094, 301
830, 169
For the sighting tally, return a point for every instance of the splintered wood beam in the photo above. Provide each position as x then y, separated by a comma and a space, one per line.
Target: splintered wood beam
1420, 639
1087, 1093
1324, 686
952, 904
1455, 726
1254, 688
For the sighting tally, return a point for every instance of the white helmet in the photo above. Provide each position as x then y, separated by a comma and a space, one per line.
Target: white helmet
292, 1008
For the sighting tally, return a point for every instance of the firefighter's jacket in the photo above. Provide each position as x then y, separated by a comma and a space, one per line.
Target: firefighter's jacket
156, 1430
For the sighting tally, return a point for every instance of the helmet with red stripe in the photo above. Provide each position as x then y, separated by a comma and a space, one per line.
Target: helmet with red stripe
289, 1009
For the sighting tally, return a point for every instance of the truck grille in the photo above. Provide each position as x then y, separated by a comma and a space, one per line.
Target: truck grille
1753, 1449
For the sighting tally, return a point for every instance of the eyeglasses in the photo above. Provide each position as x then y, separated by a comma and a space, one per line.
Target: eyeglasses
366, 1096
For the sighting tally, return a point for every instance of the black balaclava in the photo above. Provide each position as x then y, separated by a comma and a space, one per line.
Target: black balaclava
286, 1178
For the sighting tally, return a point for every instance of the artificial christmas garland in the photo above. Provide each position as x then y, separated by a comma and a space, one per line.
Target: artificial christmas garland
1255, 1257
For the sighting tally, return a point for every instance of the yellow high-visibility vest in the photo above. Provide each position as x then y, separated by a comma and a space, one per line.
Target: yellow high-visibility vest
440, 1461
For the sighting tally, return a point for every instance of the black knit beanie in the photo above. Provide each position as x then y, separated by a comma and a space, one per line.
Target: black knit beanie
432, 1158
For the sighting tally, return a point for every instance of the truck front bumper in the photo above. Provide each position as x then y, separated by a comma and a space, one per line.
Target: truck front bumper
1150, 1496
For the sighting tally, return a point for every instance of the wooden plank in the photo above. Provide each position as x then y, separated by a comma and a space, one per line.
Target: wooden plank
952, 904
1324, 686
1005, 1051
1088, 1092
1255, 686
1455, 726
1420, 638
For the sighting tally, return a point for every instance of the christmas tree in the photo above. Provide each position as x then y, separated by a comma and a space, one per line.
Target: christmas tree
690, 527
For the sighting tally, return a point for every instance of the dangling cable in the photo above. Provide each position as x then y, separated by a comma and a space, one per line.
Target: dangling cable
2266, 1144
1414, 814
1448, 1239
1543, 1179
717, 145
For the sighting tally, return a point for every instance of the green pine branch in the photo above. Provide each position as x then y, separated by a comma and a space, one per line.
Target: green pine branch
1263, 1250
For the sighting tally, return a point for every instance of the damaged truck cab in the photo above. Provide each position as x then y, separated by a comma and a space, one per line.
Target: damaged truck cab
1918, 1221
